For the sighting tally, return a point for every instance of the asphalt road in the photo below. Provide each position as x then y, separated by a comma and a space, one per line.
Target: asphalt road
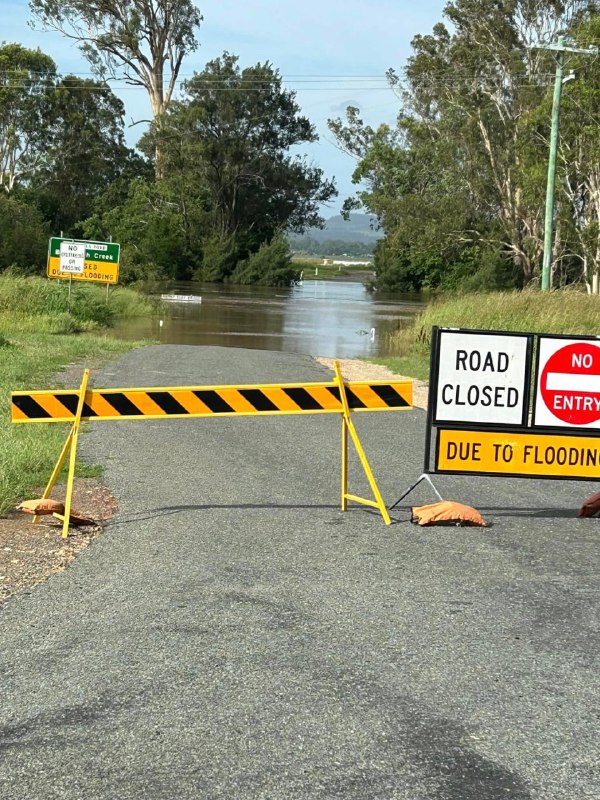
234, 635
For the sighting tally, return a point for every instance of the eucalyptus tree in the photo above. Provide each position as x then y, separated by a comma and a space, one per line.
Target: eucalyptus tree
579, 160
468, 96
141, 41
26, 79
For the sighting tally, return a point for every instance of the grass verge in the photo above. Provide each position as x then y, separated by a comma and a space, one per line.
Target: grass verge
38, 338
568, 312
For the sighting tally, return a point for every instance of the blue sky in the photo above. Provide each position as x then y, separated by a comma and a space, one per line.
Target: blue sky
308, 41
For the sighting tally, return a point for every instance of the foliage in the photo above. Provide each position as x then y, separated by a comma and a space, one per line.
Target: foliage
271, 265
85, 152
458, 185
36, 298
226, 147
562, 311
25, 77
24, 241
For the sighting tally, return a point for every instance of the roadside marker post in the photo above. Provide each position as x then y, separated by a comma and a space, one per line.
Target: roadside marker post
191, 402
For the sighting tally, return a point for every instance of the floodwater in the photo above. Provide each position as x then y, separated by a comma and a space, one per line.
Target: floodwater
339, 319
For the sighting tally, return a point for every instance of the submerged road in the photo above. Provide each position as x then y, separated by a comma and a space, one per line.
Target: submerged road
234, 636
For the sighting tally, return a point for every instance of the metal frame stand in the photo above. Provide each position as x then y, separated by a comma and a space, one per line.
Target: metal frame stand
348, 428
423, 477
69, 449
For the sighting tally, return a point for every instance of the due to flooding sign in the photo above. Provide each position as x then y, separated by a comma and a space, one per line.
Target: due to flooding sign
568, 383
482, 378
519, 453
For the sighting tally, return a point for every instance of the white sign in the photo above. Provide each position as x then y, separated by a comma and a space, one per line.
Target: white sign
72, 257
482, 378
568, 383
181, 298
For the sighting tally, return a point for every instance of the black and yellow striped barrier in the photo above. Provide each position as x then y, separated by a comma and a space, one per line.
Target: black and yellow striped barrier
183, 402
209, 401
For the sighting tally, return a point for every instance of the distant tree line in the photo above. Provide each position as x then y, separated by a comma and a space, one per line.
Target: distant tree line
212, 187
458, 185
330, 247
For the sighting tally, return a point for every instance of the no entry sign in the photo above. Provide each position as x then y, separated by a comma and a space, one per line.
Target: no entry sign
568, 384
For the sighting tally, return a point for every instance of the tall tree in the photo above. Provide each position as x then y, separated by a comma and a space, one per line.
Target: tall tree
142, 41
468, 95
227, 143
579, 163
26, 79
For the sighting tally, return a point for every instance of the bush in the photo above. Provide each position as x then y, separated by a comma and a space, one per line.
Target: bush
86, 310
270, 266
219, 256
24, 240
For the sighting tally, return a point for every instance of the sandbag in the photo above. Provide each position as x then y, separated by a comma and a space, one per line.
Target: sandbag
42, 506
447, 512
591, 506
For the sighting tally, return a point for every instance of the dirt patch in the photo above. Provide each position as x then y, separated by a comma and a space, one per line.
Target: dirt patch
353, 369
29, 554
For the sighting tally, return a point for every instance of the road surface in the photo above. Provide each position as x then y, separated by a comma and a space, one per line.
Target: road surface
233, 635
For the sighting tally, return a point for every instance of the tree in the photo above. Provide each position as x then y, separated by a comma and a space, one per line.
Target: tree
579, 164
23, 242
227, 147
26, 78
142, 41
85, 153
466, 131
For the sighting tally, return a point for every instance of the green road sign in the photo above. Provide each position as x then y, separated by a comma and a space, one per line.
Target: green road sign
101, 262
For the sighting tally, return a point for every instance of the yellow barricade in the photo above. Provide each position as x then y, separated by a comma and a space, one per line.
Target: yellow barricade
182, 402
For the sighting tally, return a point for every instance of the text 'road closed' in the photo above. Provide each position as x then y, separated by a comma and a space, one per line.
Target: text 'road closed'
481, 378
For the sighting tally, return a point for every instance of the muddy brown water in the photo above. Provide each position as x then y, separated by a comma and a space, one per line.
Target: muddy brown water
339, 319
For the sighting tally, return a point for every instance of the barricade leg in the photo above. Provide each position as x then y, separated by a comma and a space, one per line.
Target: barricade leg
56, 471
348, 427
70, 449
344, 464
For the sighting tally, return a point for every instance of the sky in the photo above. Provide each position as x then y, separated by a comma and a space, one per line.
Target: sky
333, 53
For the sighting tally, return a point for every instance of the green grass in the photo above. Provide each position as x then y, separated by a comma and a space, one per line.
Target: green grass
38, 338
531, 311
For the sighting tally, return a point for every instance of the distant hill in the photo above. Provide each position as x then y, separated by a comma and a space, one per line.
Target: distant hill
356, 229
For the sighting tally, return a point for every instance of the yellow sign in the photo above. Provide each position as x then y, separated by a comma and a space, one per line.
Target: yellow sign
519, 454
99, 271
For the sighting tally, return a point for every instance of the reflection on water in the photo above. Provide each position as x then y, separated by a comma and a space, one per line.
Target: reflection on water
325, 318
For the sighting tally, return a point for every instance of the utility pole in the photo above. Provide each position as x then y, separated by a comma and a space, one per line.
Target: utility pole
561, 48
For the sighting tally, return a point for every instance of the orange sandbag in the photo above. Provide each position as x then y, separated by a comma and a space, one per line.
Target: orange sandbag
447, 513
41, 506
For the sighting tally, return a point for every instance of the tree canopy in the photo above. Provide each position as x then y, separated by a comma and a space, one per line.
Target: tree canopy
459, 183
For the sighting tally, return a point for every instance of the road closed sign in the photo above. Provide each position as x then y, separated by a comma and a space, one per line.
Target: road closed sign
482, 377
568, 383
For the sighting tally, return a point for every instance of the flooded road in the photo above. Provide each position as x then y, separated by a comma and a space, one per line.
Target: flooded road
339, 319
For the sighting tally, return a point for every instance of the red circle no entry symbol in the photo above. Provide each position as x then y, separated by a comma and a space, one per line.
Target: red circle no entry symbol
570, 383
